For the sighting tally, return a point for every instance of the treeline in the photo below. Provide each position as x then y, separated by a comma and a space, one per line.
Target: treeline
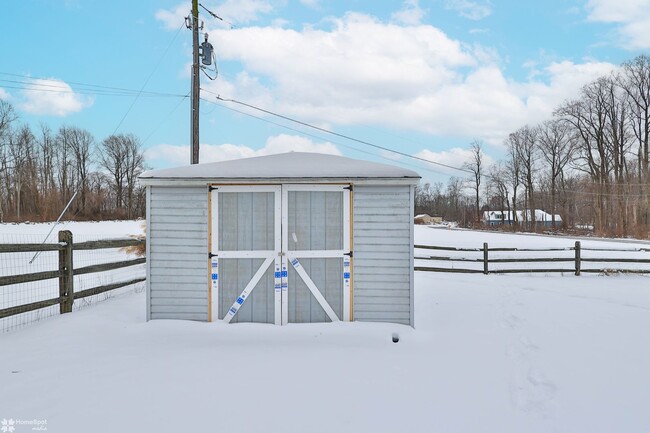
41, 170
588, 163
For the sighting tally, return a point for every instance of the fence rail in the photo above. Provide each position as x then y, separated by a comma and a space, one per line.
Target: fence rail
577, 259
66, 272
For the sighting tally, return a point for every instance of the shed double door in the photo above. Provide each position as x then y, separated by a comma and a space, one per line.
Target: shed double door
280, 253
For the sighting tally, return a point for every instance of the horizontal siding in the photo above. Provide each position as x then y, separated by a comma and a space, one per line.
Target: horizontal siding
372, 231
178, 263
173, 219
382, 285
382, 254
174, 301
191, 280
382, 292
385, 300
180, 234
380, 210
384, 316
171, 291
203, 317
178, 250
365, 270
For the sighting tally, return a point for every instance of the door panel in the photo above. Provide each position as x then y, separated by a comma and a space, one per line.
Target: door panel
246, 244
246, 221
314, 241
280, 254
315, 220
326, 275
234, 276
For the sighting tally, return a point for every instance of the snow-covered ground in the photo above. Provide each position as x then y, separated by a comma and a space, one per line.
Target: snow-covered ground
520, 354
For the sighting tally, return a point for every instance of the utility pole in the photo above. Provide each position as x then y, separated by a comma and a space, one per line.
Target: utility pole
196, 85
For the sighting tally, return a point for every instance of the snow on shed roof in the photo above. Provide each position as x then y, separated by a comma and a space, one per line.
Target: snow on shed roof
299, 165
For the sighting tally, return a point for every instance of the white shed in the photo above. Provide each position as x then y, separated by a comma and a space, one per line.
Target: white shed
294, 237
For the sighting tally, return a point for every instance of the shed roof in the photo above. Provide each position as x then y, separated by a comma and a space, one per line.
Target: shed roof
292, 165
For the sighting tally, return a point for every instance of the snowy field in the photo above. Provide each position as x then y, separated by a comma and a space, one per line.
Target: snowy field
521, 354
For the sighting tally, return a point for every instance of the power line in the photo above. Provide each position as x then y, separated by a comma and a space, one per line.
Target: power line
347, 146
232, 26
347, 137
165, 118
92, 88
54, 88
148, 78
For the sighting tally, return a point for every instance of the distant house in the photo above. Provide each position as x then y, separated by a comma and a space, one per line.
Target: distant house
497, 217
427, 219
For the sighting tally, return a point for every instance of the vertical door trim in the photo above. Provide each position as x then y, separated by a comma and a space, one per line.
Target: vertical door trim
214, 260
347, 256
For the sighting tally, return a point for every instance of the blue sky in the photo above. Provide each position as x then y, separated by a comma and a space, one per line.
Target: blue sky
424, 77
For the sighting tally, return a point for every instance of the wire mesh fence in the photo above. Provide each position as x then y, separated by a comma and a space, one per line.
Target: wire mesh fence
15, 264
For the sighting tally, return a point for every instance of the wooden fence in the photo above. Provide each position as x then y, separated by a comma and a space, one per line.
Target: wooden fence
66, 271
576, 260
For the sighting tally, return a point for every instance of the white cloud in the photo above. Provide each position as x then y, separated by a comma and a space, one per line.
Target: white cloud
470, 9
52, 97
173, 18
404, 77
170, 155
232, 11
631, 16
411, 14
244, 11
454, 157
4, 94
565, 79
314, 4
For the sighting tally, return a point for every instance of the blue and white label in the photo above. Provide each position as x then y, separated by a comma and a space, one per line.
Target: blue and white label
295, 262
215, 276
240, 300
232, 311
346, 275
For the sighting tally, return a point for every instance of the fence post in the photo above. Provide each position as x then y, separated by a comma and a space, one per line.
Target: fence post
485, 258
577, 248
66, 289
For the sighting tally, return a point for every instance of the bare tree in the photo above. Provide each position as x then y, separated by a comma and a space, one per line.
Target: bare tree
64, 162
81, 142
524, 146
475, 166
7, 117
21, 150
121, 157
134, 165
556, 147
513, 165
635, 82
618, 142
498, 182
